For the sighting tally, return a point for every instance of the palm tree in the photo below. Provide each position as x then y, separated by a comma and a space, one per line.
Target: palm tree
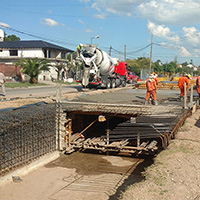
33, 67
58, 68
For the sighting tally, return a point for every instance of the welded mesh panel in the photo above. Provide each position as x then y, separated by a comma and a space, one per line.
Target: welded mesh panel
26, 133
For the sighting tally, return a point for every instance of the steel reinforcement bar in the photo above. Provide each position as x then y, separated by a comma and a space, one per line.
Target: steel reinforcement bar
26, 133
124, 109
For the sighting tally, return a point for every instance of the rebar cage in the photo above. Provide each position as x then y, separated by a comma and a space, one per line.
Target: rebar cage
26, 133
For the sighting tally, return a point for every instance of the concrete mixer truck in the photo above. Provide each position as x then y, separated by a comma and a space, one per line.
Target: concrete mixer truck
100, 69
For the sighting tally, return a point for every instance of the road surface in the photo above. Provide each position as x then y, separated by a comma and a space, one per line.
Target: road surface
39, 91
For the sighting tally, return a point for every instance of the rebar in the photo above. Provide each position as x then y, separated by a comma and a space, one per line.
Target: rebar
26, 133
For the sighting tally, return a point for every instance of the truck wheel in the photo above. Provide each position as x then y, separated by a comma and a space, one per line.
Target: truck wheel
113, 83
108, 84
124, 83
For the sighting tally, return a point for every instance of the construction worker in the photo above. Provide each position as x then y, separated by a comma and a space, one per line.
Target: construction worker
2, 81
79, 47
181, 83
198, 85
151, 89
155, 77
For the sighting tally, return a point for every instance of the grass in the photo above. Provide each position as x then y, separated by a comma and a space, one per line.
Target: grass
66, 83
19, 85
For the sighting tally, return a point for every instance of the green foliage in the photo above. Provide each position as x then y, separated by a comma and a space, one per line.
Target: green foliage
67, 83
33, 67
169, 68
58, 68
158, 68
12, 38
137, 65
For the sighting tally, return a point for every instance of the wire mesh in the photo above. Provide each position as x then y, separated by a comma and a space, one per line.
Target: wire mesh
26, 133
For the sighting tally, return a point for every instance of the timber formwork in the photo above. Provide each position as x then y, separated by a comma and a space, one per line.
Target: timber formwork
121, 128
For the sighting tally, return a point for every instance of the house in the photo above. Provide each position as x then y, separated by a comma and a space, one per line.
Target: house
12, 51
192, 67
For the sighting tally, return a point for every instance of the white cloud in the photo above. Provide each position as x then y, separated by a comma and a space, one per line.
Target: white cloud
173, 12
89, 31
184, 52
50, 22
168, 12
162, 32
84, 1
3, 25
118, 7
100, 16
95, 6
192, 35
80, 21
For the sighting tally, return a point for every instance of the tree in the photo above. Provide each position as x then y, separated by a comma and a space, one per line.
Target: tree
137, 65
33, 67
158, 67
11, 38
59, 67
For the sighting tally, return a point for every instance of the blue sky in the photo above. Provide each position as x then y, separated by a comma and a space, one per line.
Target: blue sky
175, 25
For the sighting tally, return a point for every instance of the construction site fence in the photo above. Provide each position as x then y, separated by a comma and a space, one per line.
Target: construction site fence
26, 133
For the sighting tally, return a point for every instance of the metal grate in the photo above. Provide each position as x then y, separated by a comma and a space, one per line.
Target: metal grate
26, 133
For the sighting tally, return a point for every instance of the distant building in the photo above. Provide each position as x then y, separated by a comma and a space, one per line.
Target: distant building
12, 51
180, 66
192, 66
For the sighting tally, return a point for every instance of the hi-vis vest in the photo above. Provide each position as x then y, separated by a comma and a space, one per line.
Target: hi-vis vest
78, 48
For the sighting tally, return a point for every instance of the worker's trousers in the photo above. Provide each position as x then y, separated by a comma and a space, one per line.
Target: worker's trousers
182, 91
2, 88
153, 94
198, 90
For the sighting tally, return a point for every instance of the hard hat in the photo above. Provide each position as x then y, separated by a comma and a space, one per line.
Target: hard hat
153, 73
189, 76
81, 45
151, 76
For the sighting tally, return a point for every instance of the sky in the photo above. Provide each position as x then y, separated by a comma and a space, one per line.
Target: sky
125, 25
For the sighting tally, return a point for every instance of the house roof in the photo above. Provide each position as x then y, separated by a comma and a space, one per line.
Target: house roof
31, 44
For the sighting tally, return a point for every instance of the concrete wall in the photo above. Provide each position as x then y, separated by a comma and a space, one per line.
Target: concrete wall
24, 53
28, 53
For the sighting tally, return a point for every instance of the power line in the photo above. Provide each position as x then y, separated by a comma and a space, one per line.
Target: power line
40, 37
139, 49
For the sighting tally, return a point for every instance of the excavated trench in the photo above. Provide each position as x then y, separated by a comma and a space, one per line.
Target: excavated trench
130, 134
120, 128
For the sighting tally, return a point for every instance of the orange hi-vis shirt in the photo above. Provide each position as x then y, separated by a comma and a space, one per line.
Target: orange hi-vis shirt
198, 81
156, 80
151, 85
198, 85
182, 81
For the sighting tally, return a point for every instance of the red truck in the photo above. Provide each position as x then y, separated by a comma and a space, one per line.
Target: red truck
132, 77
122, 74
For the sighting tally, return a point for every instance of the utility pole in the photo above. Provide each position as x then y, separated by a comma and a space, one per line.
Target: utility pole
120, 55
151, 53
110, 50
125, 53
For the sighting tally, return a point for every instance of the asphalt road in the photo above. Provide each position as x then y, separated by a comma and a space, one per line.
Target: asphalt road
39, 91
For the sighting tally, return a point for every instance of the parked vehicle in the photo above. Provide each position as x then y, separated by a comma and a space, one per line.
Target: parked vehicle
132, 77
100, 69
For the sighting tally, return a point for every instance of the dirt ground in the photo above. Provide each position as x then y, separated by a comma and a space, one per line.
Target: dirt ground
174, 175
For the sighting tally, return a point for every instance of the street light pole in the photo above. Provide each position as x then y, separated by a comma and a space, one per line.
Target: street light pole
97, 36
